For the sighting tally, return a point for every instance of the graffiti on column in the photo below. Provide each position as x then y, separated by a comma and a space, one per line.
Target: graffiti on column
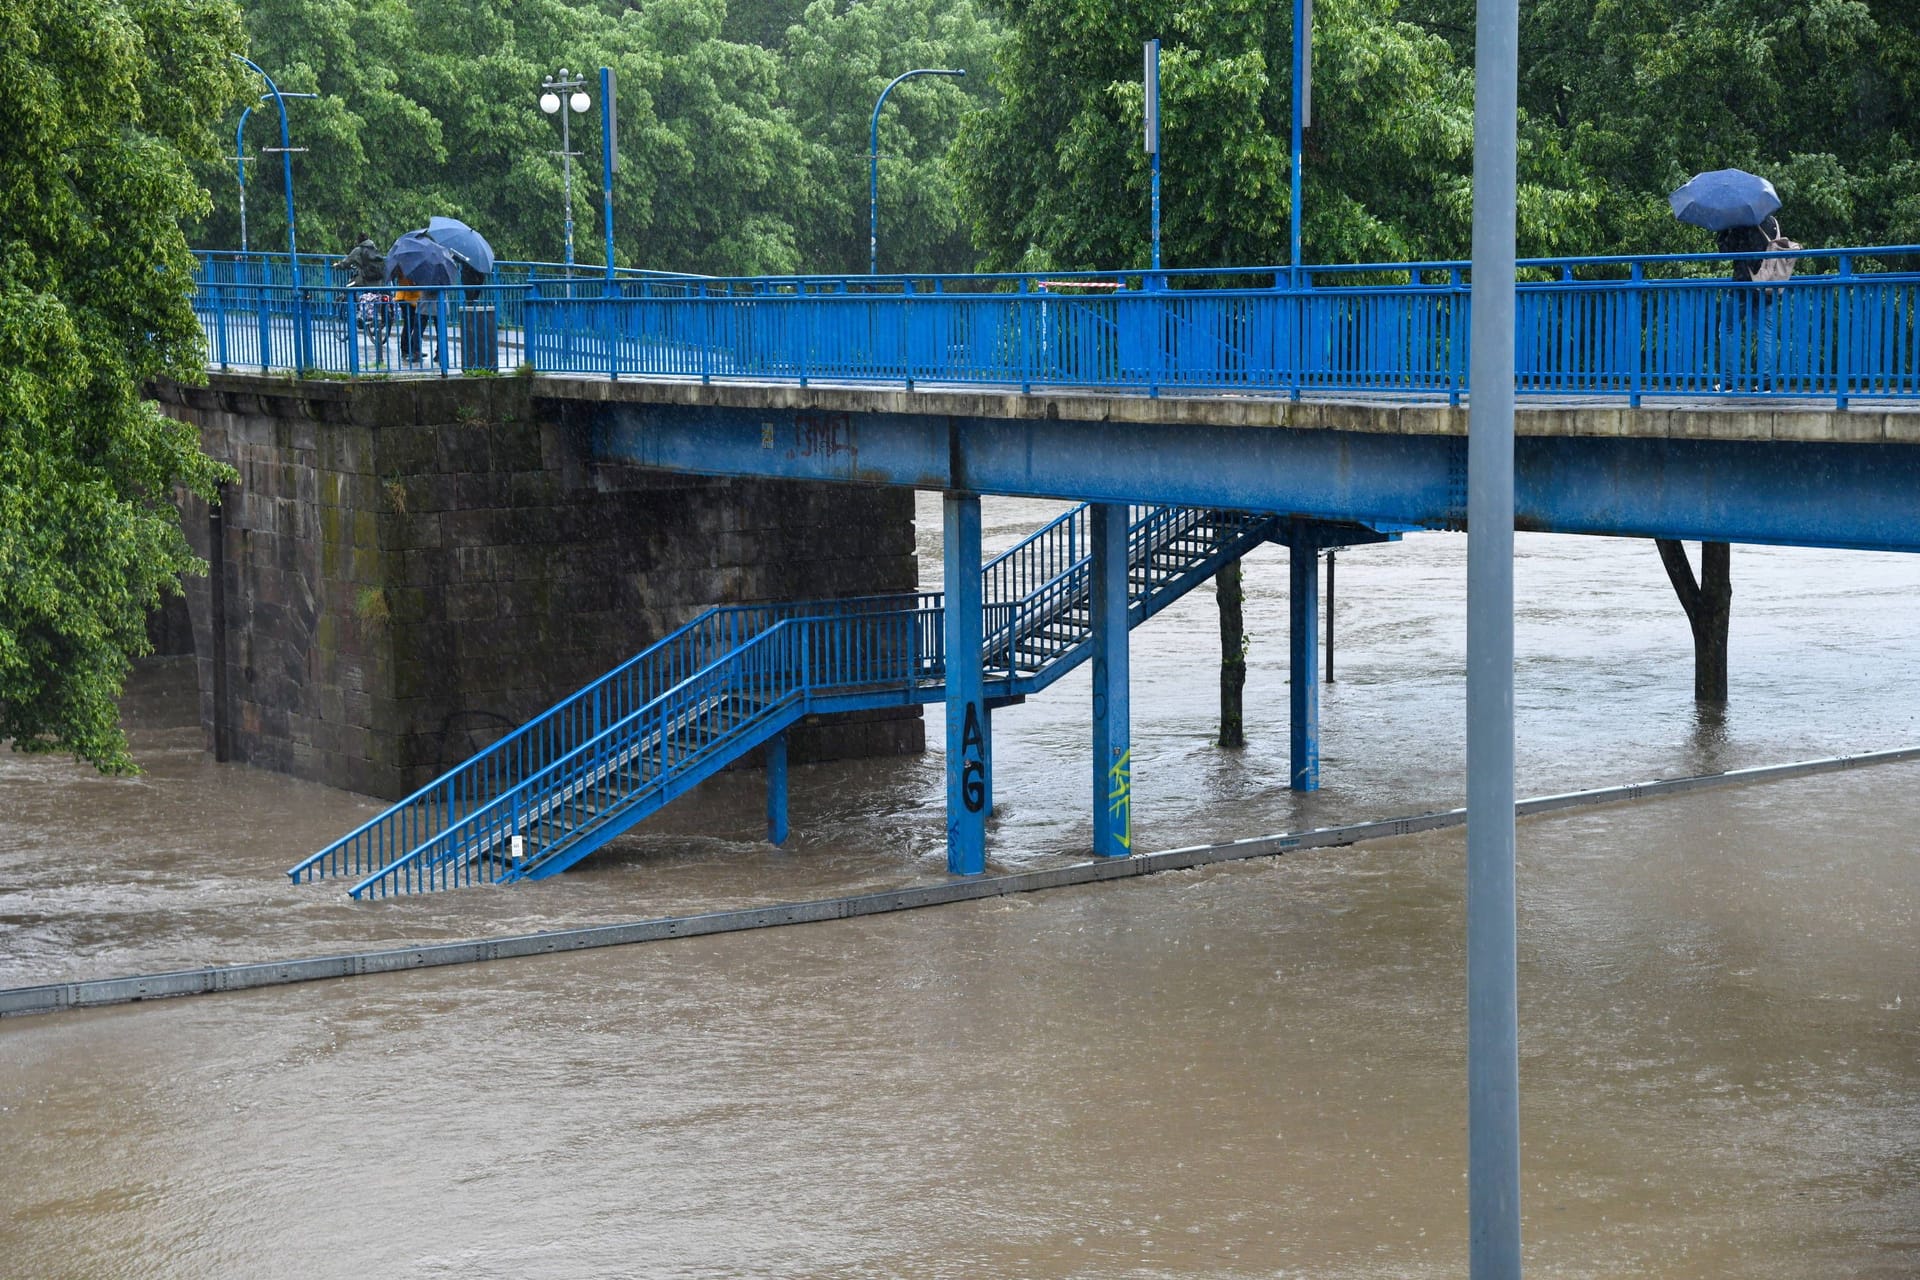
1120, 798
973, 758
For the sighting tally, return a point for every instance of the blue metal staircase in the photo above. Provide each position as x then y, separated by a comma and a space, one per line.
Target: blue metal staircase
590, 767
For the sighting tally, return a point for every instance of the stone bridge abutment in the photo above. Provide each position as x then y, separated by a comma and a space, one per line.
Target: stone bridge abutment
411, 569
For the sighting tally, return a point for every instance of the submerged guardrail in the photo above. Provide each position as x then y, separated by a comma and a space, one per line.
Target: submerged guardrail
93, 993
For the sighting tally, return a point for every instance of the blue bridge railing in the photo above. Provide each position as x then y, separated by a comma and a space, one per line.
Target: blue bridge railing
1845, 326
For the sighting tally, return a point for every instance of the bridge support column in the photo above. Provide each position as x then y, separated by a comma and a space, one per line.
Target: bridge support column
968, 761
1112, 711
1303, 655
777, 789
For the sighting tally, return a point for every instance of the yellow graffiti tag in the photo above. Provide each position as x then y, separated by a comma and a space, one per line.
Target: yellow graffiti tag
1120, 797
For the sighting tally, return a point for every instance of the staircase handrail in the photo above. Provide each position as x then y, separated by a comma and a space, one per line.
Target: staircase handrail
734, 657
506, 741
509, 798
1063, 587
1143, 601
343, 850
409, 835
1005, 564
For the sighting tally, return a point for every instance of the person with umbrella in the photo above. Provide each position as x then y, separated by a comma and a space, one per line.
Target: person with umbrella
479, 336
468, 247
414, 262
407, 300
1738, 207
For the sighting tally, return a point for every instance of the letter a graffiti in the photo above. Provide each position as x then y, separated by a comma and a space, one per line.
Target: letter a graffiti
973, 770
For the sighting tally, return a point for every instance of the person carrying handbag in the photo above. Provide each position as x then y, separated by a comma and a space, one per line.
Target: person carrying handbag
1773, 270
1757, 311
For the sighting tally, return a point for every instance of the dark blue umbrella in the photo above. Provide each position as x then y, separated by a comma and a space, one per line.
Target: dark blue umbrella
1725, 198
421, 260
463, 242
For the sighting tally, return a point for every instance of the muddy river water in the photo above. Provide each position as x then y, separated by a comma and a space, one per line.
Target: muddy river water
1255, 1069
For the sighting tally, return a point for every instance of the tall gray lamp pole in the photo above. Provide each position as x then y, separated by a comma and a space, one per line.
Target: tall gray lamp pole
574, 90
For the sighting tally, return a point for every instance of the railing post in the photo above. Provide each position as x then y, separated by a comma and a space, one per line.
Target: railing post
1297, 330
906, 331
806, 664
1636, 320
706, 333
1157, 329
1023, 338
1457, 336
611, 327
513, 829
806, 327
265, 317
302, 330
528, 341
219, 321
353, 332
1843, 320
440, 328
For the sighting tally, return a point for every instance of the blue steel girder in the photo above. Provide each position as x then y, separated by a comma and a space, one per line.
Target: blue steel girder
1781, 492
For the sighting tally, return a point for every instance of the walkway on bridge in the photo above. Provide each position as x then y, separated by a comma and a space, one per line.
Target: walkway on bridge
1846, 328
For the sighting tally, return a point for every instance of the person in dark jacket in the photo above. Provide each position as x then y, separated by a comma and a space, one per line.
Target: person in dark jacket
372, 311
1749, 339
1757, 239
407, 299
365, 264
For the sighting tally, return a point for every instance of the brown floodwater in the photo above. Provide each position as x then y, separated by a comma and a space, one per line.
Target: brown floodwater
1249, 1070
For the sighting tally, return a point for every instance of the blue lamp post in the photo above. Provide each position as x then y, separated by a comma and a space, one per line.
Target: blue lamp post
303, 331
609, 156
873, 163
240, 158
286, 168
1302, 104
1150, 87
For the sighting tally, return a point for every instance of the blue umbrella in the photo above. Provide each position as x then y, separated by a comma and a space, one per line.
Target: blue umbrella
1725, 198
463, 242
421, 260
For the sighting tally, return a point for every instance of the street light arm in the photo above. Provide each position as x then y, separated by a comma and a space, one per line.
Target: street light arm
286, 162
873, 161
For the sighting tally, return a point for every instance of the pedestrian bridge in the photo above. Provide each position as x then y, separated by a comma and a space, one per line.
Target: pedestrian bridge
1843, 329
1196, 413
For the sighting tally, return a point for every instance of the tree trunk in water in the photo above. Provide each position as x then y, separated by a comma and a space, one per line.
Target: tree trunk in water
1233, 654
1709, 606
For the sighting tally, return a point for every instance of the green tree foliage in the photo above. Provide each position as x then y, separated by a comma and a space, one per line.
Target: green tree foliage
1639, 95
738, 151
744, 123
1055, 174
101, 103
839, 58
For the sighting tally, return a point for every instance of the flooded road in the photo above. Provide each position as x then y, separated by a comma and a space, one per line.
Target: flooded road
1247, 1070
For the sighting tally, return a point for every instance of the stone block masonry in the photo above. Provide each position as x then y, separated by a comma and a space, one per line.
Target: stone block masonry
414, 568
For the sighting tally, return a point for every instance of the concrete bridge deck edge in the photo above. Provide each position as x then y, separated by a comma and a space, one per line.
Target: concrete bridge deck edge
1752, 419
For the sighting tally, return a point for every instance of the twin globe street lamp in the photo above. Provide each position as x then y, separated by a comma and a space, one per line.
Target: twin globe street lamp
553, 88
